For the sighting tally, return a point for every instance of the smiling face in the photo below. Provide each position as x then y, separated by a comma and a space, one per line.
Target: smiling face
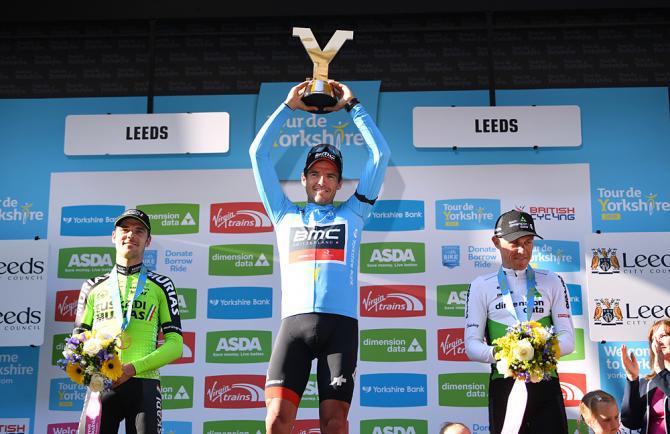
130, 237
321, 182
515, 254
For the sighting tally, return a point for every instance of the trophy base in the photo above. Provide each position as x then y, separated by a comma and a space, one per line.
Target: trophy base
319, 93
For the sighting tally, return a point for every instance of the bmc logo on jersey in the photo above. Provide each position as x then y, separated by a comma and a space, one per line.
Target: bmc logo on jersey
66, 305
573, 387
63, 428
234, 391
393, 301
239, 218
242, 302
394, 426
89, 220
394, 390
320, 243
451, 345
188, 348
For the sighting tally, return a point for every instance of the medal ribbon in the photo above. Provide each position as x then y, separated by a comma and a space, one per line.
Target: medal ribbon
517, 311
115, 293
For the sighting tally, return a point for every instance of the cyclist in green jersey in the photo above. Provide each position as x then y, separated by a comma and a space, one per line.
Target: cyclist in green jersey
142, 303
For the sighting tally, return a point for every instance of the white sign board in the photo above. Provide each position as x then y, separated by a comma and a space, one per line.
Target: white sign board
628, 276
497, 127
136, 134
23, 290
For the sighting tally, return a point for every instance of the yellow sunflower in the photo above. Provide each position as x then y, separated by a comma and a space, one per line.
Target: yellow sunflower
112, 368
75, 372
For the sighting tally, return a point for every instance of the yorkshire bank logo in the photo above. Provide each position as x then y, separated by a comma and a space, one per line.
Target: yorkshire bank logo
173, 218
392, 301
393, 345
310, 397
396, 215
607, 312
62, 428
187, 298
177, 392
393, 390
393, 258
464, 389
548, 212
234, 391
558, 256
617, 203
240, 259
89, 220
66, 305
394, 426
85, 262
451, 300
64, 395
605, 261
15, 425
239, 218
451, 345
188, 348
234, 427
573, 387
240, 302
466, 214
238, 346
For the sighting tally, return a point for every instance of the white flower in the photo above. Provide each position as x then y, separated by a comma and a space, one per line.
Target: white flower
108, 328
67, 353
543, 333
503, 367
92, 347
523, 350
97, 383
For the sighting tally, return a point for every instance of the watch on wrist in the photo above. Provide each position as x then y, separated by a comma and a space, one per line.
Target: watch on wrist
352, 102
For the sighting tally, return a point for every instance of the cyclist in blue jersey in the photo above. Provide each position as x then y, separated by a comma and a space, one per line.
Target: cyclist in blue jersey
318, 247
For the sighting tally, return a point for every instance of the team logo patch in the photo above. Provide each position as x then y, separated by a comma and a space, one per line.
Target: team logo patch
318, 243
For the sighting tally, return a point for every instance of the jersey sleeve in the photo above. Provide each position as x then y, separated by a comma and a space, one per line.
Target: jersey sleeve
267, 182
562, 318
476, 314
84, 316
170, 323
378, 158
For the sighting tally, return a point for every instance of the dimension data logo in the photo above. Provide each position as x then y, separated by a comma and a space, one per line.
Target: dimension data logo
66, 305
64, 395
466, 214
451, 345
396, 215
394, 426
451, 300
85, 262
243, 302
11, 210
393, 258
234, 391
239, 346
393, 345
558, 256
177, 392
469, 389
393, 390
89, 220
233, 427
187, 298
58, 345
393, 301
240, 259
239, 218
617, 203
173, 218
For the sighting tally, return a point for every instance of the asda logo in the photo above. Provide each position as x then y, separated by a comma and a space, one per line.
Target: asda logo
84, 262
310, 398
58, 345
578, 353
233, 427
451, 300
393, 258
394, 426
239, 346
240, 259
469, 389
173, 218
187, 298
177, 392
393, 345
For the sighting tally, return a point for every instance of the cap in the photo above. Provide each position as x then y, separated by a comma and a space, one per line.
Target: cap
324, 152
136, 214
515, 224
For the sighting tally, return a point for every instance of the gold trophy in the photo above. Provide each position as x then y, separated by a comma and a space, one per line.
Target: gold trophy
318, 92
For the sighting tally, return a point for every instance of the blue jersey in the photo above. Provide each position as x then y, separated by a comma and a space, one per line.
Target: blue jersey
319, 244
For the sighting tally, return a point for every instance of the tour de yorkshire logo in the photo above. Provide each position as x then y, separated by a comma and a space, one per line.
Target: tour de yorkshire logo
605, 261
607, 312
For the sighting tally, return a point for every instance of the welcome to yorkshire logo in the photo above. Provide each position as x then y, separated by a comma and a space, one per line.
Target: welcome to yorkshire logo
615, 203
12, 211
310, 129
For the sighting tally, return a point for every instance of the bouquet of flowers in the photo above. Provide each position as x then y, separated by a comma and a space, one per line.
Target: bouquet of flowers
528, 352
91, 358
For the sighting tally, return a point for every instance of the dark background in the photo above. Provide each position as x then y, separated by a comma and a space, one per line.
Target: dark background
206, 47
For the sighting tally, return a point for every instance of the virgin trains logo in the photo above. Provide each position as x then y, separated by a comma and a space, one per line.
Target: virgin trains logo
317, 243
239, 218
234, 391
393, 301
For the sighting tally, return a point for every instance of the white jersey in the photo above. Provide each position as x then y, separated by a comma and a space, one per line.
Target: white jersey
486, 317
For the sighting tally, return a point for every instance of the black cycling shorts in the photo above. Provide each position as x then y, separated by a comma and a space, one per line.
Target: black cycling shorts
139, 402
329, 338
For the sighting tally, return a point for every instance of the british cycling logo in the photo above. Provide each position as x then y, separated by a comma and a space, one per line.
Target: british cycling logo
88, 220
239, 218
616, 203
12, 211
605, 261
549, 213
466, 214
234, 391
14, 425
393, 301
